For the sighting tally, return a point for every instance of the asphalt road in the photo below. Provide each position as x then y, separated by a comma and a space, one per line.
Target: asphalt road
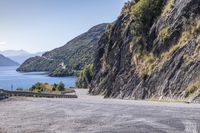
92, 114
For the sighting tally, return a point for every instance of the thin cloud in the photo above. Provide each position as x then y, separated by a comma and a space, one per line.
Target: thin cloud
2, 43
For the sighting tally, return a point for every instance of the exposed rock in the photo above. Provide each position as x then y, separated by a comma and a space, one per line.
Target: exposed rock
160, 59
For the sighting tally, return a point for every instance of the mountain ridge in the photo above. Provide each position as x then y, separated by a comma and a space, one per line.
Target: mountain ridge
4, 61
14, 52
19, 56
72, 56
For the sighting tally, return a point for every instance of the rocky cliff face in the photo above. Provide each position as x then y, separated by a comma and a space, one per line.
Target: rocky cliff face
72, 56
151, 51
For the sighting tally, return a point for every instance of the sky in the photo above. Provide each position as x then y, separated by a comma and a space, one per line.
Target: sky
42, 25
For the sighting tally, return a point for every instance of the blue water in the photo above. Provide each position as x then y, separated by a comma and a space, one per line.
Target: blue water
9, 77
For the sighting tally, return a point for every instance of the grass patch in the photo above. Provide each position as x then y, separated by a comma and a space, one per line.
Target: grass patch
168, 8
164, 34
145, 64
193, 89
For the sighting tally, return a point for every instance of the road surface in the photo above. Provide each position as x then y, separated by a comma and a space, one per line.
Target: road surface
93, 114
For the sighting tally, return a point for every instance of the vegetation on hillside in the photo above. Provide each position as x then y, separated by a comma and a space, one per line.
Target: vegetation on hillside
147, 61
66, 60
145, 11
193, 89
85, 76
63, 72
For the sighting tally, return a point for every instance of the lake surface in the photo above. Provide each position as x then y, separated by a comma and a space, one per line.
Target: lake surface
9, 77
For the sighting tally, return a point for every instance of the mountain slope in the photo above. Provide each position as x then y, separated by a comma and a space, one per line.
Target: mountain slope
72, 56
151, 51
19, 55
4, 61
14, 52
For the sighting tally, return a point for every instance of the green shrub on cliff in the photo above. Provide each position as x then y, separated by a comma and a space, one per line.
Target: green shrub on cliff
85, 76
146, 11
193, 89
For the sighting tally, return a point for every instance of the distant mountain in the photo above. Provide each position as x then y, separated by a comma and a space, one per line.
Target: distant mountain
4, 61
72, 56
9, 53
39, 53
19, 55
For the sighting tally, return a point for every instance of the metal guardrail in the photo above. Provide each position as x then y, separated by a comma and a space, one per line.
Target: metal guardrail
32, 94
2, 95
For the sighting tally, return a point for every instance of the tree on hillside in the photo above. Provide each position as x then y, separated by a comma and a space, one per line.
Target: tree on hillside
61, 86
85, 76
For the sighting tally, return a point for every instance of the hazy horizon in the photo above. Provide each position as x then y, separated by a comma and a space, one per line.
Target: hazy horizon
42, 25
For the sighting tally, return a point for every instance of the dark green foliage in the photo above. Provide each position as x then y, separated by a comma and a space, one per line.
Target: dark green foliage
38, 64
37, 86
61, 87
85, 76
60, 72
146, 11
54, 87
